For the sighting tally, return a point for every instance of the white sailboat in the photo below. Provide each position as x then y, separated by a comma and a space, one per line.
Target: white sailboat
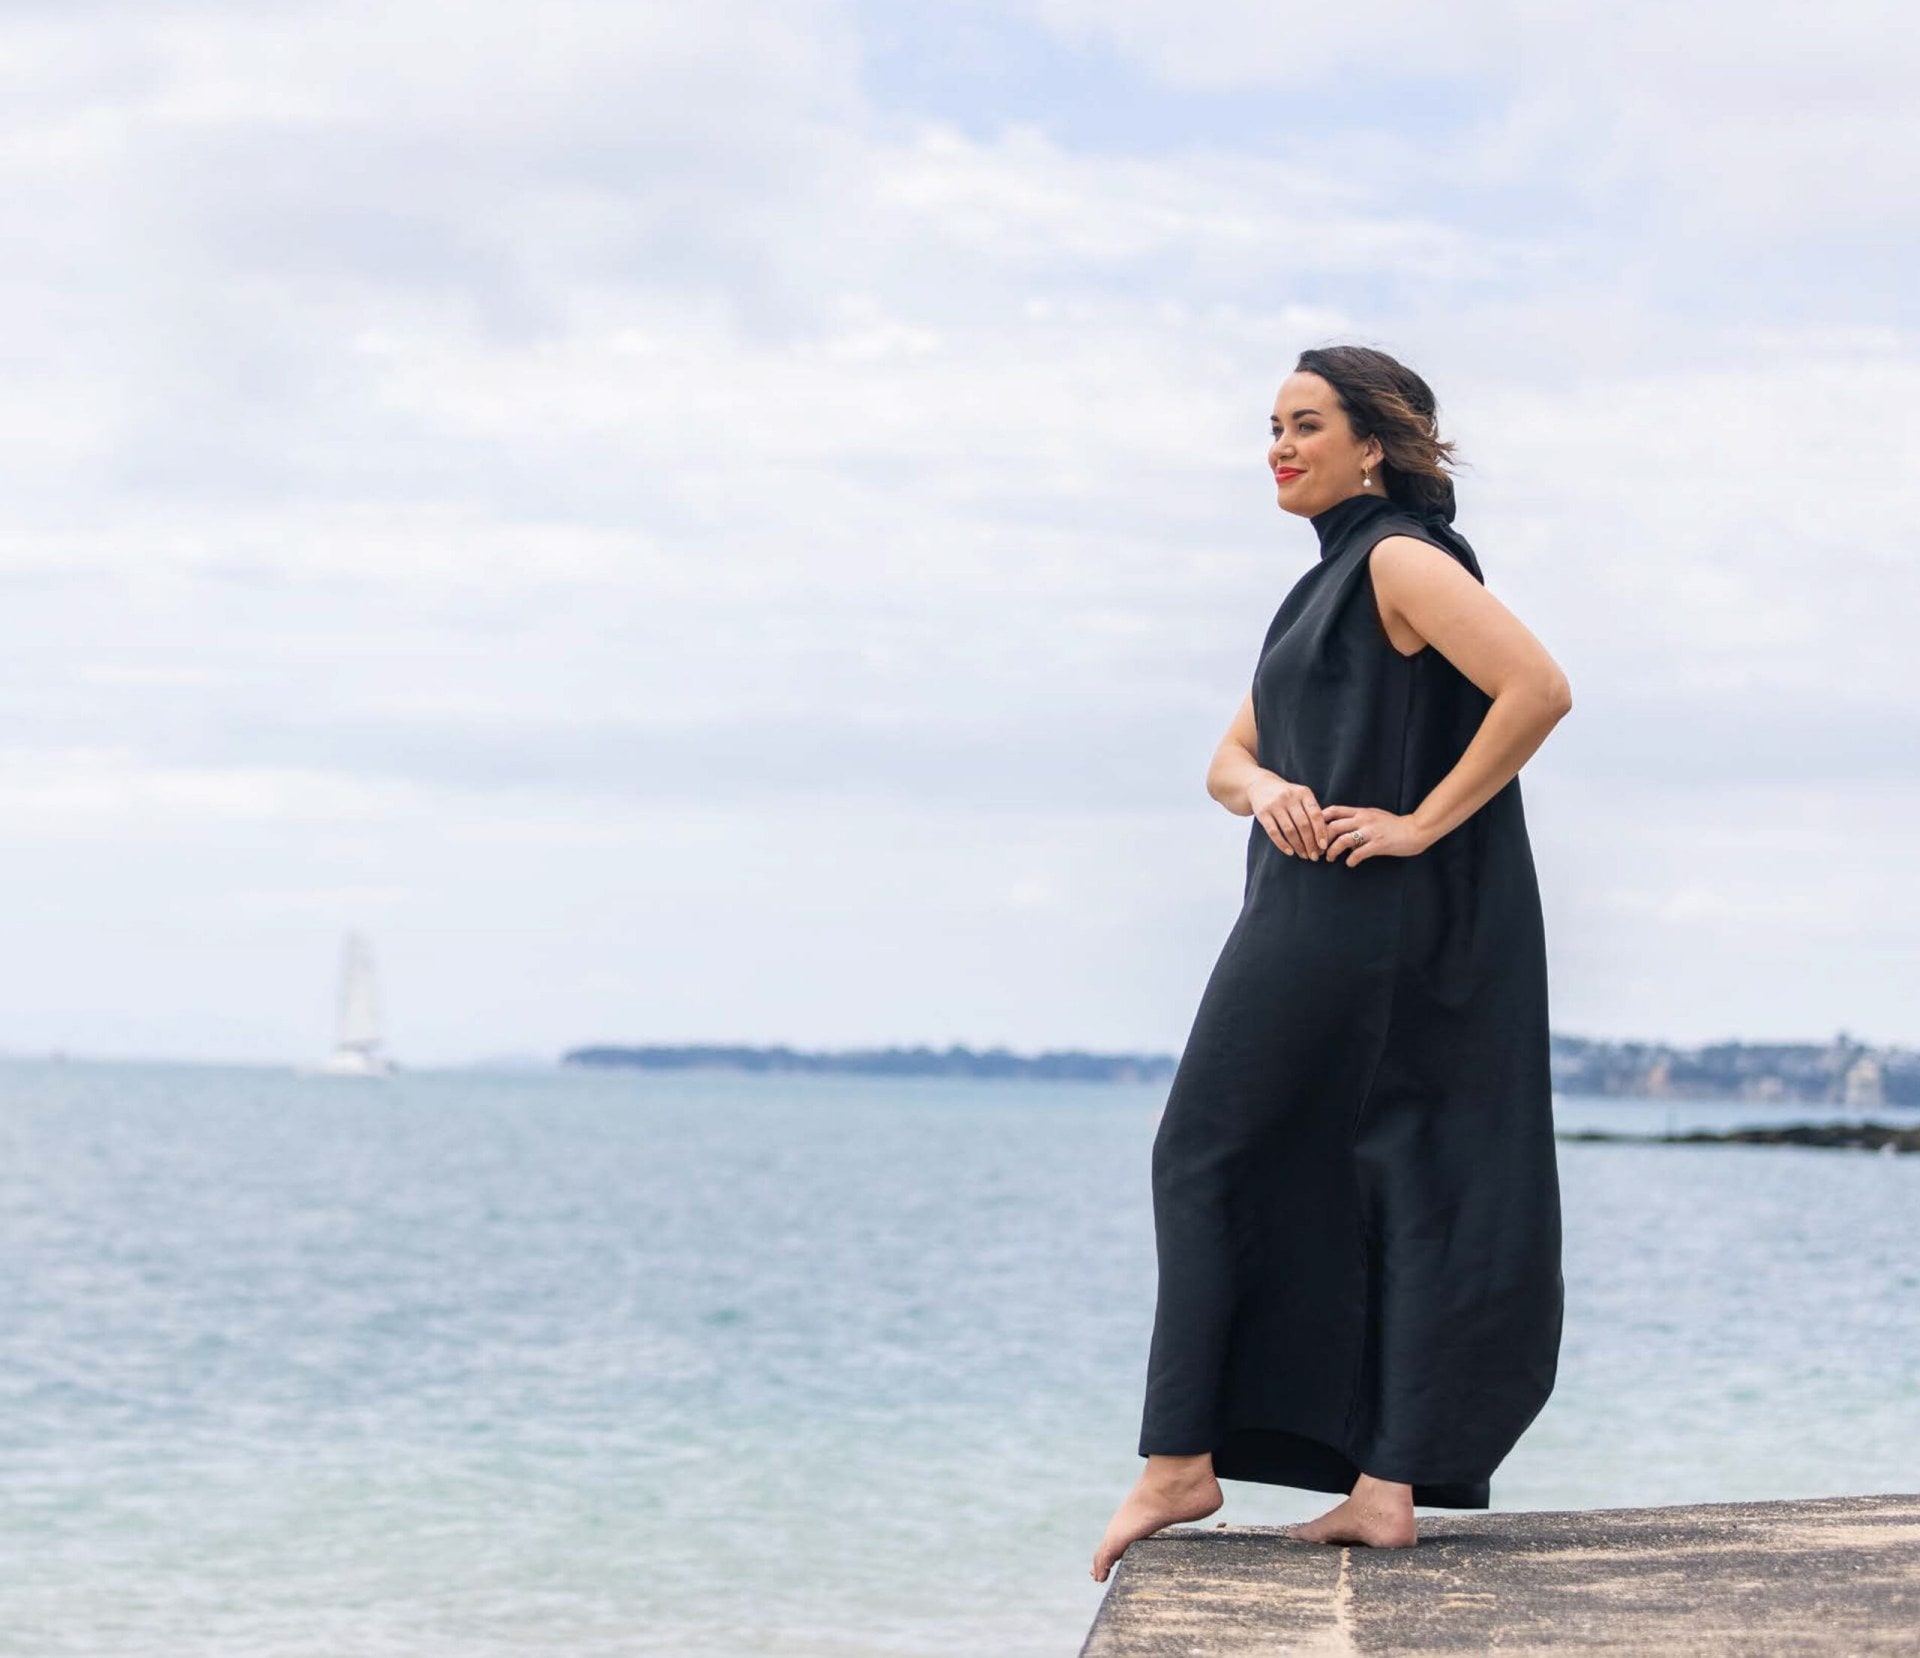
357, 1038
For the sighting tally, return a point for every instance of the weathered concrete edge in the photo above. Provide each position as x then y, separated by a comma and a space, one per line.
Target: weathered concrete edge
1233, 1590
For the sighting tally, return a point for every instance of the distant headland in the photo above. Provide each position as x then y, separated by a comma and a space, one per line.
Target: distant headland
1841, 1072
1066, 1065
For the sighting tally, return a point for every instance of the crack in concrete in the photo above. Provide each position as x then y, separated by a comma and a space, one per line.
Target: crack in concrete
1343, 1602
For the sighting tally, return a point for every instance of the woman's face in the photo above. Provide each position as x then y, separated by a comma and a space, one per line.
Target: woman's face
1316, 459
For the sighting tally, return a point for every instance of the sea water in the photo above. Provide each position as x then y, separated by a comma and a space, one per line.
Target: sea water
712, 1364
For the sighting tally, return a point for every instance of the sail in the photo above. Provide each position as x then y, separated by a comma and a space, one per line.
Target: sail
359, 1018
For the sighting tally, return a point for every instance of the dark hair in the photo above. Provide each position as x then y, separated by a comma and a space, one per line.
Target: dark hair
1385, 399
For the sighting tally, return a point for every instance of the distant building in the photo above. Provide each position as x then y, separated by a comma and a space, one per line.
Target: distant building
1865, 1084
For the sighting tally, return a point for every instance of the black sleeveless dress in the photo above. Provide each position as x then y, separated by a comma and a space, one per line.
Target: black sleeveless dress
1355, 1196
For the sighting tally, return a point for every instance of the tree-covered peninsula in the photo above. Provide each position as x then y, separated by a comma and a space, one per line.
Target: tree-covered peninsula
1843, 1071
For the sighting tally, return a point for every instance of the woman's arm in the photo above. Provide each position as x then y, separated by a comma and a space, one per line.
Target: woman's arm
1287, 811
1424, 593
1234, 763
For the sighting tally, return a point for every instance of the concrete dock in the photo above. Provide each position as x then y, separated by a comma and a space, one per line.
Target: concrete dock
1827, 1575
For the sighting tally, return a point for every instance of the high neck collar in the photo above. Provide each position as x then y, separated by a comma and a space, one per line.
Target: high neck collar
1339, 521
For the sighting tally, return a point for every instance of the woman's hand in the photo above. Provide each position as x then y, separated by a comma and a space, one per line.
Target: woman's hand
1290, 815
1380, 834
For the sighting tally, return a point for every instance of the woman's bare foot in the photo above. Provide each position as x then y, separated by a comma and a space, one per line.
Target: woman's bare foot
1379, 1513
1170, 1490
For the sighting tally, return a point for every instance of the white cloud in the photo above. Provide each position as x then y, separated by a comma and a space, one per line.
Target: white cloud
114, 795
1763, 118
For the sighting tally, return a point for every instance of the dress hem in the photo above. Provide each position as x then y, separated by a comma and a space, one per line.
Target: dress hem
1275, 1456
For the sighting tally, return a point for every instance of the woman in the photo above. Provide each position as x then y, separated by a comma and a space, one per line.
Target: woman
1356, 1203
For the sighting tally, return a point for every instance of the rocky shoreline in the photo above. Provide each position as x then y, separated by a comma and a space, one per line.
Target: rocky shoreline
1843, 1136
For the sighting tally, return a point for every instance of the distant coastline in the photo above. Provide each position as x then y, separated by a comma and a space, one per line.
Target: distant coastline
1069, 1065
1840, 1072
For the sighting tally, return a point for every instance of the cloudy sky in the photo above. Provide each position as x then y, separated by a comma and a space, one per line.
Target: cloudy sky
746, 521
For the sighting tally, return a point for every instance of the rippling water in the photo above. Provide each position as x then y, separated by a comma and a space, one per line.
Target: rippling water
714, 1365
